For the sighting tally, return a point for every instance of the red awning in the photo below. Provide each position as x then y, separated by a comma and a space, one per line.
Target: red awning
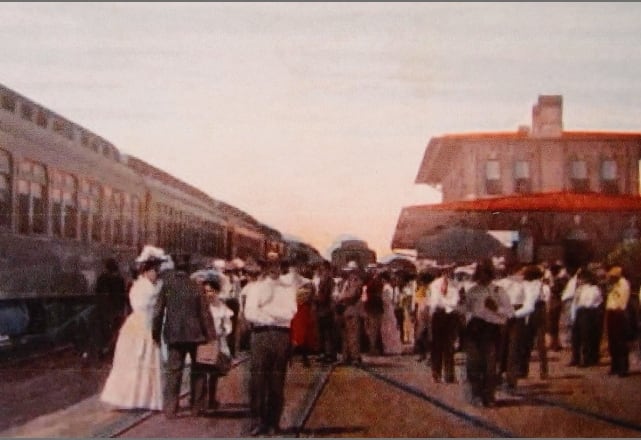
502, 212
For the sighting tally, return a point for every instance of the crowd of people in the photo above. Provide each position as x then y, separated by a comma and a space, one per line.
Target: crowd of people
285, 311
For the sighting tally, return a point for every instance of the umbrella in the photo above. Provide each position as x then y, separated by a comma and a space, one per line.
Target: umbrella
458, 244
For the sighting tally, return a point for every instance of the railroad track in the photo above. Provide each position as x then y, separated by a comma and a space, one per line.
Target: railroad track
574, 414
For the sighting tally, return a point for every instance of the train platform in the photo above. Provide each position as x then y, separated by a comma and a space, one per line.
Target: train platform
391, 396
90, 418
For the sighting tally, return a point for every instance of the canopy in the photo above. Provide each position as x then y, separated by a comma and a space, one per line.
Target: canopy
507, 213
458, 244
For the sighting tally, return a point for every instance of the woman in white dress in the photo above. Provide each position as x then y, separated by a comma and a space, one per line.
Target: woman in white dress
135, 380
390, 333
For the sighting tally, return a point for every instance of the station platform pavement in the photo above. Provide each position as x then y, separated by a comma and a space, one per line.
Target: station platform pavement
91, 418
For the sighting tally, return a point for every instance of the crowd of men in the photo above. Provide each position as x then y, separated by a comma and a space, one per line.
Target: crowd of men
497, 314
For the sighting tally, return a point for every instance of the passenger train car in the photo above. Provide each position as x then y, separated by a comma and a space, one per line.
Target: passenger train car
69, 199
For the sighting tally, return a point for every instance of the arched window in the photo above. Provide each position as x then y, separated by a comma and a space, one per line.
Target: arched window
116, 215
5, 189
32, 215
127, 220
95, 211
64, 207
135, 220
107, 203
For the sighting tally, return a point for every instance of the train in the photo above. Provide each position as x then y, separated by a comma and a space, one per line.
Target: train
69, 199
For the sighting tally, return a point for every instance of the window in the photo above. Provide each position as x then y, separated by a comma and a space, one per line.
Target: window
493, 177
135, 221
27, 112
107, 203
64, 211
579, 176
32, 216
41, 119
5, 189
609, 178
8, 103
116, 215
522, 180
95, 211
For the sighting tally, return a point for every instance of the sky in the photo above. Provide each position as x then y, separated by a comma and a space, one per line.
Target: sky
314, 117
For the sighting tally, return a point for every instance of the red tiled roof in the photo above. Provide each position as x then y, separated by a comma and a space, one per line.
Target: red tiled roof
561, 201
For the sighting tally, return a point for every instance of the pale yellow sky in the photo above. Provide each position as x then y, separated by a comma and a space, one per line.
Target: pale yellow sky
313, 117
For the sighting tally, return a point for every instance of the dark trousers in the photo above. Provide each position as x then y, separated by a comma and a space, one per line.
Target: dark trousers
510, 349
586, 336
327, 334
234, 305
269, 355
534, 337
174, 371
444, 330
482, 340
617, 343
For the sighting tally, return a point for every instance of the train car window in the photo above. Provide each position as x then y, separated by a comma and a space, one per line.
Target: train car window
64, 211
8, 103
32, 214
70, 218
116, 216
56, 211
41, 119
107, 201
135, 220
83, 202
95, 206
27, 112
5, 189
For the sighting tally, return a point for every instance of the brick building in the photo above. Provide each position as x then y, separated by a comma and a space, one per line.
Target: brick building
564, 192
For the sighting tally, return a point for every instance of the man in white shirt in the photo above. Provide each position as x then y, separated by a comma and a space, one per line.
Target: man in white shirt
534, 310
512, 333
270, 308
586, 317
444, 298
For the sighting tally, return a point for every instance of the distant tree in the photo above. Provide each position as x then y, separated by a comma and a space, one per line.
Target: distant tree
627, 255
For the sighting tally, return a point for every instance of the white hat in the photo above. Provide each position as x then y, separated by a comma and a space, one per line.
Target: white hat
238, 263
352, 265
157, 255
219, 264
150, 252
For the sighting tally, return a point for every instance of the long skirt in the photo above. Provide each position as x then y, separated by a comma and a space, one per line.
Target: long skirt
135, 380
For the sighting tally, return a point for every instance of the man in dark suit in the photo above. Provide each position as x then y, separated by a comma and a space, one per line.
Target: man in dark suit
188, 323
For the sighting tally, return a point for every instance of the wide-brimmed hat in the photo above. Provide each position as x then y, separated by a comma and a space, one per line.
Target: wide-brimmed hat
150, 257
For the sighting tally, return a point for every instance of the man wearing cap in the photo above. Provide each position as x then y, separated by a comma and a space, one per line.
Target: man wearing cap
188, 323
616, 321
269, 307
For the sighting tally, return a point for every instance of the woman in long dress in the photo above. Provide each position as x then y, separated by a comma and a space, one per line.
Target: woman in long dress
390, 333
135, 380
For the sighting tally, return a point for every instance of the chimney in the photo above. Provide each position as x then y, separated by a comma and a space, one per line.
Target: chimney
547, 116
